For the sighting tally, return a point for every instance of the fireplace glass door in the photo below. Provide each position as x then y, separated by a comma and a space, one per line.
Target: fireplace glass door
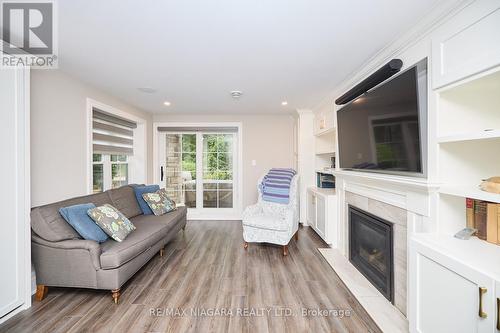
371, 249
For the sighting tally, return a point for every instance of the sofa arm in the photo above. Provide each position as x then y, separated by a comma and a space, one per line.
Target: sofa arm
74, 244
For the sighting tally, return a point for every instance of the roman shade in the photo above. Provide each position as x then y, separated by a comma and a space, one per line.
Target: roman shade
111, 134
230, 129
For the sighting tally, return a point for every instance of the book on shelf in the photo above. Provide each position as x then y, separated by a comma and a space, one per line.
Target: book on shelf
480, 218
470, 212
492, 223
485, 217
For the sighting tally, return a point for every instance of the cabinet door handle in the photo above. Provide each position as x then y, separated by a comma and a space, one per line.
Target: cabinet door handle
482, 291
498, 314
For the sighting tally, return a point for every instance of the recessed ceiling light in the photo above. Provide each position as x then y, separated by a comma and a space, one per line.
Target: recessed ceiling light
284, 103
147, 90
167, 103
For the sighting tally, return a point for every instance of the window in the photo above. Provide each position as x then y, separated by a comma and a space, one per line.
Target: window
97, 173
119, 170
181, 168
112, 150
217, 170
198, 168
109, 171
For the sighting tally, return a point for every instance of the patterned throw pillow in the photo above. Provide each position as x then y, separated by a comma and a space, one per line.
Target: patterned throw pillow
112, 221
159, 202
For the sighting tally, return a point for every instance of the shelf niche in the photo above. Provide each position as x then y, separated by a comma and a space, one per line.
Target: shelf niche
470, 110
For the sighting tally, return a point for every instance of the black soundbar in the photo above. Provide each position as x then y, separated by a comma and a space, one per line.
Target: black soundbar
382, 74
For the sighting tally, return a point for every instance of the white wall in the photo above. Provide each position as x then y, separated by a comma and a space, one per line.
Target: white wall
267, 139
58, 134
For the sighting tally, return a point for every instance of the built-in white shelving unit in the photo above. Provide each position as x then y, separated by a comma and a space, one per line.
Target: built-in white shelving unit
325, 142
468, 145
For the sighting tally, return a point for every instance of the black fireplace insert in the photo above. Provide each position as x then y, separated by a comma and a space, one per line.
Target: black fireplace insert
371, 249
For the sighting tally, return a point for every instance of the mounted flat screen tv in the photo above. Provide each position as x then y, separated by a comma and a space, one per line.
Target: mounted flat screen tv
384, 130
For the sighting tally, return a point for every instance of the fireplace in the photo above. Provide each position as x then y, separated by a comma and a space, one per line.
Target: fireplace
371, 249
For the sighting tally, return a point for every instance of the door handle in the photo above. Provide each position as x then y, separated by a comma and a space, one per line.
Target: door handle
482, 291
498, 314
161, 173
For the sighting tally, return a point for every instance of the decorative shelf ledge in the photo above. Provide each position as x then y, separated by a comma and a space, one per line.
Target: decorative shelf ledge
493, 134
473, 192
325, 153
325, 131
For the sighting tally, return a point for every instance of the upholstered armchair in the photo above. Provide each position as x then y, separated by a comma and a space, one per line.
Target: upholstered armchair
269, 222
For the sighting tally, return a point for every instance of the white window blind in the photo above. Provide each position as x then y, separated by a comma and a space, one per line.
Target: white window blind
111, 134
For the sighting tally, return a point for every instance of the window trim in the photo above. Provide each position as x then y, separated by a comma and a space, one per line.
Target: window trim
138, 163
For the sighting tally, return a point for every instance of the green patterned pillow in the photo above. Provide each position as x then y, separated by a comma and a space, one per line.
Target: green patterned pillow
111, 221
159, 202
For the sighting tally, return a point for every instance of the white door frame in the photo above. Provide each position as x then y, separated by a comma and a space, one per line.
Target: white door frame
23, 194
204, 214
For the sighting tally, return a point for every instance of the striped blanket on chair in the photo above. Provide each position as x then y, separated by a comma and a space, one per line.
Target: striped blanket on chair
275, 186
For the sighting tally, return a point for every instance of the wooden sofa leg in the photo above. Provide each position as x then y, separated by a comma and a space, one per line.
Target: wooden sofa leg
285, 250
162, 251
296, 235
115, 293
41, 292
245, 245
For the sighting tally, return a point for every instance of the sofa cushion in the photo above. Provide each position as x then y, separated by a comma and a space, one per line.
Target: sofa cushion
47, 222
159, 202
166, 219
148, 233
78, 218
112, 222
123, 199
139, 190
269, 222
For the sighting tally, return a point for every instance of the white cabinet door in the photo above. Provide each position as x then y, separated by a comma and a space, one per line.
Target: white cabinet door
467, 44
311, 209
14, 199
447, 296
321, 216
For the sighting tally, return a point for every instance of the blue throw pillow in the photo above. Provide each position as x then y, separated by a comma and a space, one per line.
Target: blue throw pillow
139, 191
77, 217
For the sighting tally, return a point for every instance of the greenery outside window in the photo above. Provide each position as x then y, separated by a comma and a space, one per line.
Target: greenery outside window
109, 171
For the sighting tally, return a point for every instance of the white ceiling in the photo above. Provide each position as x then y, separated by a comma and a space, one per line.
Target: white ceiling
195, 51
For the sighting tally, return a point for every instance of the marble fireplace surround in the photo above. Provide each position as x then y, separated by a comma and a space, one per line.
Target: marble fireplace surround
396, 216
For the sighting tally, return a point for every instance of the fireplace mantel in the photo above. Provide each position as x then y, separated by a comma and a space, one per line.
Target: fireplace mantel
415, 195
409, 203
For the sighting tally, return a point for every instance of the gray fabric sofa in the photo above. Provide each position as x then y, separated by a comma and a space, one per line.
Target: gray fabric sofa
63, 259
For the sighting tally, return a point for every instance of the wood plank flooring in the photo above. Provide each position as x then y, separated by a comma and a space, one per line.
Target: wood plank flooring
206, 268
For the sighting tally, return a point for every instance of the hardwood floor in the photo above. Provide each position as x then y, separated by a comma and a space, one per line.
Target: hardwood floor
206, 268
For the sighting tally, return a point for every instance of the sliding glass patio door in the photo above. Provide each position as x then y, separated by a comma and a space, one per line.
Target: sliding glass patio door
198, 169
